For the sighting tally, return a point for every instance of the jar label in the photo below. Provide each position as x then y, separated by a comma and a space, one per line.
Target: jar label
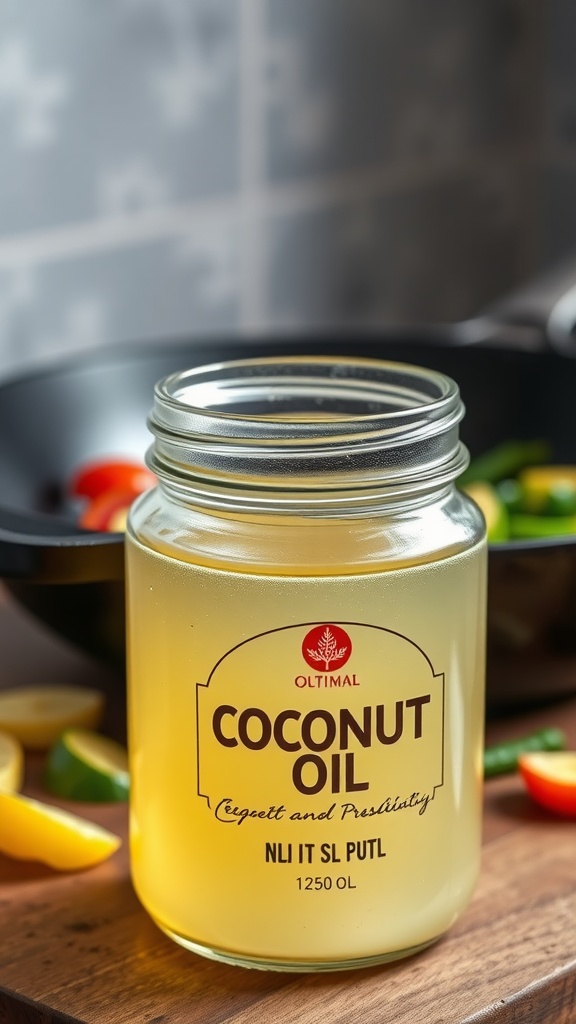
344, 721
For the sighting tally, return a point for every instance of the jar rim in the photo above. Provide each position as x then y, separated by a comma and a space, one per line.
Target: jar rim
306, 431
264, 393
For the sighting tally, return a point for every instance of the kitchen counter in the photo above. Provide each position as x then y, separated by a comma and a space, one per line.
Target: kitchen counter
78, 947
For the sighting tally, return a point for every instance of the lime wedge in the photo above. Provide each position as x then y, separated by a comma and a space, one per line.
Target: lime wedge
32, 830
11, 763
83, 765
37, 715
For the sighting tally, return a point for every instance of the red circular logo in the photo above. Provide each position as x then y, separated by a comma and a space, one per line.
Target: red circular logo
326, 648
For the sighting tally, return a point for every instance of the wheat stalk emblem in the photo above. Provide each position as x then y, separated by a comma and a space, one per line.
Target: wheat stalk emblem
327, 650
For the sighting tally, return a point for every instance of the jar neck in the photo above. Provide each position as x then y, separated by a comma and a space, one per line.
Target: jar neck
312, 436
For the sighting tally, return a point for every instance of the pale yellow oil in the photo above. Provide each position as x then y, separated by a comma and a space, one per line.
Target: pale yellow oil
228, 856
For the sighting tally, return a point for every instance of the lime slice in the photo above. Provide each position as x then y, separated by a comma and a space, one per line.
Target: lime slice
11, 762
84, 765
31, 830
37, 715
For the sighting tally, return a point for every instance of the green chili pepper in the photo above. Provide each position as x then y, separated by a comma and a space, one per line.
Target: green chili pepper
526, 527
503, 757
505, 461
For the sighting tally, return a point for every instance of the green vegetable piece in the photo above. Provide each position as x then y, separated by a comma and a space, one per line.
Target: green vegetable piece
511, 494
526, 527
505, 461
548, 490
502, 758
561, 500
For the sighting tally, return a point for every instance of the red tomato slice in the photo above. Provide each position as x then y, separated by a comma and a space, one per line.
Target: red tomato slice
550, 778
94, 478
107, 512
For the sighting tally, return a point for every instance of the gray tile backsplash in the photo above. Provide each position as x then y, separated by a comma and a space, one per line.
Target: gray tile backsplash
351, 84
557, 206
558, 211
561, 83
175, 167
111, 108
431, 253
160, 288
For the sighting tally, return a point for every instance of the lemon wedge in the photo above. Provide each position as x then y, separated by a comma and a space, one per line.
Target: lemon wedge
83, 765
37, 715
32, 830
11, 762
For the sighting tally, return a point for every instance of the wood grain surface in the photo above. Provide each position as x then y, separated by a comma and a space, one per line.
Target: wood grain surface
79, 947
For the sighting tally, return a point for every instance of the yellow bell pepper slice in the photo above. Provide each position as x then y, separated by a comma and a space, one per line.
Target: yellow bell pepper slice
549, 490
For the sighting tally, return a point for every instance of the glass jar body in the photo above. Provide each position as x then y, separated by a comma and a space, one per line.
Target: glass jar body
305, 724
305, 598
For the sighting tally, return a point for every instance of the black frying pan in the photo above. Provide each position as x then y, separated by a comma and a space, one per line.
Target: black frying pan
53, 419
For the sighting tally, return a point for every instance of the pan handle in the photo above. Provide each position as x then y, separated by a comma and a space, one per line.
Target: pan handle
561, 326
547, 305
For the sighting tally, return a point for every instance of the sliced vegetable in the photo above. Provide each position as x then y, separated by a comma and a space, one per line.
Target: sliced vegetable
505, 461
11, 763
511, 494
37, 715
561, 501
96, 477
83, 765
503, 757
549, 490
525, 527
539, 499
107, 512
550, 779
32, 830
493, 509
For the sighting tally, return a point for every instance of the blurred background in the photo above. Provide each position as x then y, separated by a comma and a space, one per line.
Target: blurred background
204, 167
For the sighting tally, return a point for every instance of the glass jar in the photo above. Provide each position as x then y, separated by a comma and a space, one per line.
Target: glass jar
306, 596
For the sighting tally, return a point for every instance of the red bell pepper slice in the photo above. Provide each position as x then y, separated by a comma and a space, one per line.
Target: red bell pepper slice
94, 478
550, 778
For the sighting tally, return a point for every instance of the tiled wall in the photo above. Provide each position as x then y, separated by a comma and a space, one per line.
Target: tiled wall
558, 194
176, 167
